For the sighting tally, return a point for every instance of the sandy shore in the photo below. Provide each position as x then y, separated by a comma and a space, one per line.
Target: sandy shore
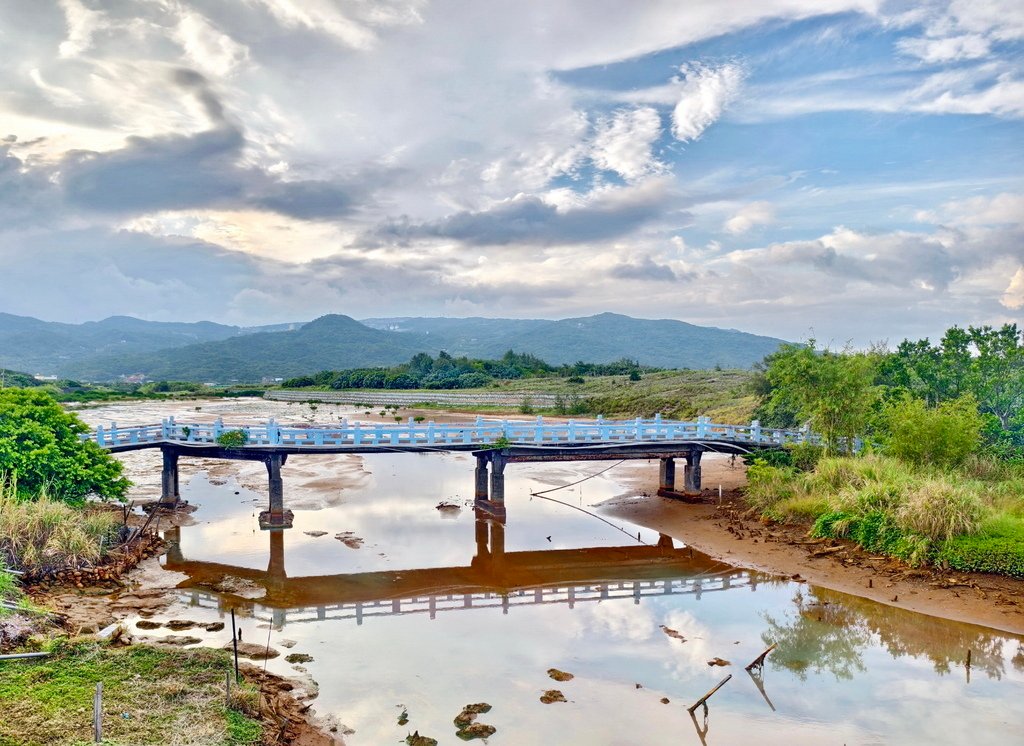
724, 530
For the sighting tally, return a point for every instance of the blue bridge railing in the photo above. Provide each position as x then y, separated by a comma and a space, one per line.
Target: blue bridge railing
481, 432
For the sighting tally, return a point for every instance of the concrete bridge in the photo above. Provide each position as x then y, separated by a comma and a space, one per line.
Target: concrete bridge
493, 578
494, 443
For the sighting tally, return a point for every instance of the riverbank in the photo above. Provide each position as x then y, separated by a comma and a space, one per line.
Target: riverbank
727, 530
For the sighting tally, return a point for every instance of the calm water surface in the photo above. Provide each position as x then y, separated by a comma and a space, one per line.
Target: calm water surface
428, 610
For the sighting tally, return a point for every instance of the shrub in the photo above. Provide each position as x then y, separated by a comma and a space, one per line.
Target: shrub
233, 438
40, 450
984, 554
941, 436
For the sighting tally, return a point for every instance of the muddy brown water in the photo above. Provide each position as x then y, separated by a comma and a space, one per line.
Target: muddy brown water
423, 610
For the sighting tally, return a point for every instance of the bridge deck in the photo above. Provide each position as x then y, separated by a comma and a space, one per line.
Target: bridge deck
357, 437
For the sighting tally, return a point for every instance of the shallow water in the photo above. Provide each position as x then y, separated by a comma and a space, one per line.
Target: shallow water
435, 609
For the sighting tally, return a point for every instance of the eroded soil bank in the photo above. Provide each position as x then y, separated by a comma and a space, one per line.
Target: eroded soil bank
726, 529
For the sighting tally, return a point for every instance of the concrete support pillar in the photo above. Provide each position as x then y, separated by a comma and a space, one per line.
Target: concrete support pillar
497, 547
174, 557
275, 567
169, 477
691, 474
667, 475
276, 516
481, 478
497, 478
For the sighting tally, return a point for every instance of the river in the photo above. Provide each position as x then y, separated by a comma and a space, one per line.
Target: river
423, 609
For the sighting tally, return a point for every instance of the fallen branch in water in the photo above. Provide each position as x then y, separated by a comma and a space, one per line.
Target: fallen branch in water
703, 700
758, 662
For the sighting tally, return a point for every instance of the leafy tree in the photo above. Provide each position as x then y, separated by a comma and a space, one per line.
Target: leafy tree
40, 450
833, 391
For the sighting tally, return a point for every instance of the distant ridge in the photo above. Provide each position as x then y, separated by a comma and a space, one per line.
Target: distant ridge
206, 351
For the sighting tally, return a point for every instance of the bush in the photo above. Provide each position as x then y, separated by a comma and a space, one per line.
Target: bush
943, 436
40, 451
233, 438
940, 510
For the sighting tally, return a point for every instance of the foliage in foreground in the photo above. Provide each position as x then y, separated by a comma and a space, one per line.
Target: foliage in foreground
40, 451
45, 534
169, 696
970, 518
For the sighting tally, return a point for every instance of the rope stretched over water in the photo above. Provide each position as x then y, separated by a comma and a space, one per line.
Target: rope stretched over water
542, 495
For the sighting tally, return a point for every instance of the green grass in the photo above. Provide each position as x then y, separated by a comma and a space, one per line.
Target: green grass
971, 518
169, 697
724, 395
45, 534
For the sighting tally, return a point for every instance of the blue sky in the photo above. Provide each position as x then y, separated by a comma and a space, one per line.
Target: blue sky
851, 168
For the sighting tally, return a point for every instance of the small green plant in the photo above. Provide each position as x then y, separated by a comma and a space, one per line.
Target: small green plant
501, 443
419, 418
635, 376
526, 405
233, 438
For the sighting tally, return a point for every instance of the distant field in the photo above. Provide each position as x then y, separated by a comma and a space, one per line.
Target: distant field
723, 395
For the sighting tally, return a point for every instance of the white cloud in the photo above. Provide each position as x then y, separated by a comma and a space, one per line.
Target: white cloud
949, 49
82, 23
206, 46
749, 216
704, 92
1013, 297
983, 210
624, 142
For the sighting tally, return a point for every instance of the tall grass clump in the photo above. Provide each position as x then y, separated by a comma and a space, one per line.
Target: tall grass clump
44, 534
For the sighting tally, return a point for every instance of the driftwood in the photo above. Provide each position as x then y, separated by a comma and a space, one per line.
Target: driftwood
703, 700
758, 662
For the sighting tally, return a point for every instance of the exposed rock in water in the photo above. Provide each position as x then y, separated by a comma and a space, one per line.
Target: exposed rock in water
238, 586
179, 640
213, 626
551, 696
287, 643
147, 624
672, 633
179, 624
253, 651
560, 675
298, 658
404, 717
476, 730
315, 534
415, 739
349, 539
469, 713
718, 662
664, 700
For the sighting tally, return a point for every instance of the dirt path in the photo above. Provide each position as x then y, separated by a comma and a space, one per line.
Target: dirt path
725, 530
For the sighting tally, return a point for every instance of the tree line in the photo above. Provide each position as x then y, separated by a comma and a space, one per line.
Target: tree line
446, 372
936, 400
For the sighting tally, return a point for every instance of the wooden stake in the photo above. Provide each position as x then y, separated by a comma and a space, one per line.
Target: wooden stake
703, 700
758, 662
97, 713
234, 644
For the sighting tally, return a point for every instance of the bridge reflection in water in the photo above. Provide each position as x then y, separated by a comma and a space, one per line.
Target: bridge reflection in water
494, 578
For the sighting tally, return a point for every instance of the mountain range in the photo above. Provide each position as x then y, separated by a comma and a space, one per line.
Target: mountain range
206, 351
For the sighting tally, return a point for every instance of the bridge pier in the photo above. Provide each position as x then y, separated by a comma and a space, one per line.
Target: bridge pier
482, 492
667, 475
169, 490
691, 473
276, 516
498, 463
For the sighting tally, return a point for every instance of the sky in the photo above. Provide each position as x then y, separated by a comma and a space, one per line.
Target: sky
851, 170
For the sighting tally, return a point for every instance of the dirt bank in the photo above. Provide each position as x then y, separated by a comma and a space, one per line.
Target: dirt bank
726, 530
